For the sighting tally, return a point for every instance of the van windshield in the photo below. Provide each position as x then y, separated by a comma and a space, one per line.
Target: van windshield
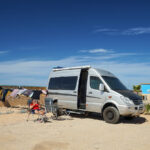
114, 83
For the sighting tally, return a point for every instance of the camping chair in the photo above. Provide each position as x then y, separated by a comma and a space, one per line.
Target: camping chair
29, 111
41, 118
52, 106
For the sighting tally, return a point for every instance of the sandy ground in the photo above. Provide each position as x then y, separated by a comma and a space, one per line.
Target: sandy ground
72, 133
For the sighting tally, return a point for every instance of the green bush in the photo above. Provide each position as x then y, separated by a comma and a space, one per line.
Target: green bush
137, 88
147, 108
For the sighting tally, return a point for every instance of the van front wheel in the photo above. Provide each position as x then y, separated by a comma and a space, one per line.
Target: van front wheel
111, 115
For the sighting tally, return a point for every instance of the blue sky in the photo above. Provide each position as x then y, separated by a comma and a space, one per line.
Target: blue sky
37, 35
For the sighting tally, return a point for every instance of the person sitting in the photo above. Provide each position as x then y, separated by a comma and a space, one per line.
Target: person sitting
35, 108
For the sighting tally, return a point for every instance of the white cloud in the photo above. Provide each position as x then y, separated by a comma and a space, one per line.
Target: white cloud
33, 67
27, 72
106, 30
136, 31
3, 52
107, 56
130, 31
100, 50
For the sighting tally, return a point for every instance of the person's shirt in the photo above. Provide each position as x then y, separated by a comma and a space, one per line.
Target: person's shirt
36, 94
36, 106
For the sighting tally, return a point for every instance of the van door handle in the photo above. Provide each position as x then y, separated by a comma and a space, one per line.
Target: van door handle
90, 92
74, 91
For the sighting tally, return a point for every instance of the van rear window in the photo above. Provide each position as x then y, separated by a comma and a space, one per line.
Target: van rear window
63, 83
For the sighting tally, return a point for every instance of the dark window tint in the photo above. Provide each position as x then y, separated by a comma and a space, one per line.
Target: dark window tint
63, 83
95, 82
114, 83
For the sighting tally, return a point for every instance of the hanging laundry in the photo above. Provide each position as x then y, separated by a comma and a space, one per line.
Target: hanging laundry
31, 94
8, 94
44, 92
27, 92
4, 94
14, 93
1, 93
21, 91
36, 94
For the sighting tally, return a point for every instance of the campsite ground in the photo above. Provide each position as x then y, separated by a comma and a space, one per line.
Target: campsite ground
72, 133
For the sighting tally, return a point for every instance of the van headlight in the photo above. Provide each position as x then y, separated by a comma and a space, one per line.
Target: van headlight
126, 100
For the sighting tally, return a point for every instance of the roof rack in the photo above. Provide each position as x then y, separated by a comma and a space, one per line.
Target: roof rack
72, 68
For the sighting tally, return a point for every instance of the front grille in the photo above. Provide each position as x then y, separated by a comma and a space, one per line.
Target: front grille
137, 102
141, 108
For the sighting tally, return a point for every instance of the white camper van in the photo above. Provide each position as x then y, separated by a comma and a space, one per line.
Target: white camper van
88, 89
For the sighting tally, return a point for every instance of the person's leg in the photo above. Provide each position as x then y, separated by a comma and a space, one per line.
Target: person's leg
36, 111
33, 111
41, 112
43, 115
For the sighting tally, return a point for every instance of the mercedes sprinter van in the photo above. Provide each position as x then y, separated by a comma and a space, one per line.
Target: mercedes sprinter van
93, 90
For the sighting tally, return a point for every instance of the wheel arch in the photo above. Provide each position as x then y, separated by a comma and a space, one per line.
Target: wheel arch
107, 105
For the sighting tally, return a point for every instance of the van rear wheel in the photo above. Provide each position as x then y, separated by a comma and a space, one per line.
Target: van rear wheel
111, 115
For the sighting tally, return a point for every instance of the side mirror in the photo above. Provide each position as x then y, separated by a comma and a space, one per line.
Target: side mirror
101, 87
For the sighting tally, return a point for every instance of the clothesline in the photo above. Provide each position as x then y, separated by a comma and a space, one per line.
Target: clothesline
34, 94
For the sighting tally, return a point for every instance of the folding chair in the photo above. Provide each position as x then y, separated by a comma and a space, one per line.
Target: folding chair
51, 106
29, 110
41, 118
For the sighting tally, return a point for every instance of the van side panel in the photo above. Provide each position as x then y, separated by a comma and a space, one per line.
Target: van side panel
66, 98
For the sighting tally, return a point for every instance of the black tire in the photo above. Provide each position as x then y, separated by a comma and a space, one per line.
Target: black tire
111, 115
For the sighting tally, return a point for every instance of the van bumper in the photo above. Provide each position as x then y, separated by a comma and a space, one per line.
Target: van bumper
134, 110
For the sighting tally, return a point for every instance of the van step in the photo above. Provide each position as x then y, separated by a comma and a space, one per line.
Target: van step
75, 112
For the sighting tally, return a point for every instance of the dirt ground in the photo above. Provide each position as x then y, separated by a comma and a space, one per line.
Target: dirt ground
72, 133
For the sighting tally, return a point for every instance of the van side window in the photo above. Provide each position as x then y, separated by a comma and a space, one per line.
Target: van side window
95, 82
63, 83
